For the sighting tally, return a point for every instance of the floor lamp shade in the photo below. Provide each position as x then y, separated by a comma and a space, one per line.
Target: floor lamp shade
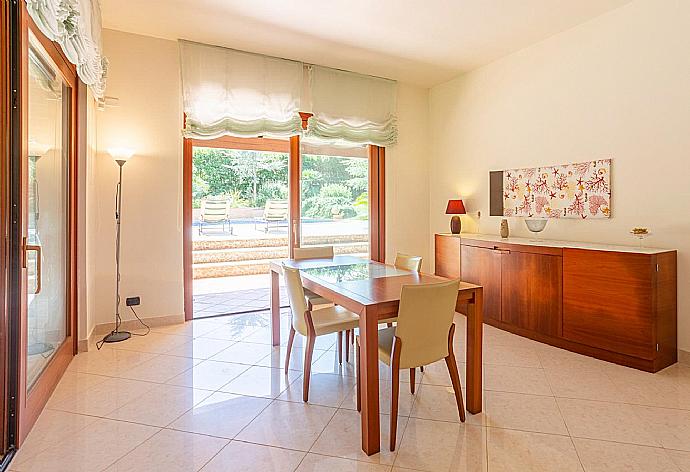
455, 208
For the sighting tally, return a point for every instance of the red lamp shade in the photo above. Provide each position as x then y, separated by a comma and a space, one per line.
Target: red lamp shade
455, 207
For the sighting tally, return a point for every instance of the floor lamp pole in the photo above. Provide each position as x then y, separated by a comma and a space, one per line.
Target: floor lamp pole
116, 335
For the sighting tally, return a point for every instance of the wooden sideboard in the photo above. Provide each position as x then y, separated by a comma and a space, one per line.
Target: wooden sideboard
615, 303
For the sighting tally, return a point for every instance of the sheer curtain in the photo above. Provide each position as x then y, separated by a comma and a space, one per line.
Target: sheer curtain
350, 108
229, 92
76, 26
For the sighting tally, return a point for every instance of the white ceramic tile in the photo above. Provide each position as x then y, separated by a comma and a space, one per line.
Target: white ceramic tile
276, 358
405, 399
437, 374
160, 369
160, 405
209, 375
680, 458
517, 356
516, 379
230, 332
606, 421
170, 451
104, 397
510, 450
602, 456
73, 383
222, 415
437, 445
154, 342
200, 348
534, 413
109, 362
288, 424
342, 438
319, 463
435, 402
324, 389
93, 448
51, 428
261, 382
576, 382
243, 353
245, 457
671, 428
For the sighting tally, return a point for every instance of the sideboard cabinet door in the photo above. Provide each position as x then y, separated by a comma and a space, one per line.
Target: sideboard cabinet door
608, 301
447, 256
532, 291
482, 266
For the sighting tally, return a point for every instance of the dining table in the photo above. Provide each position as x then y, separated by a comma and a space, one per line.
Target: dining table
372, 290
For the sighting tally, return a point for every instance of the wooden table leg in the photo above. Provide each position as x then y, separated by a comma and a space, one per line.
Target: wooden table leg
369, 380
275, 308
475, 318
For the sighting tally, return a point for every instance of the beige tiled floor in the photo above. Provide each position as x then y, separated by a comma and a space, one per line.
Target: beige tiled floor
211, 395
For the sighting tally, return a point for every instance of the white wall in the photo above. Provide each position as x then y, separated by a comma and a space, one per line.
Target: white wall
617, 86
144, 75
85, 217
407, 179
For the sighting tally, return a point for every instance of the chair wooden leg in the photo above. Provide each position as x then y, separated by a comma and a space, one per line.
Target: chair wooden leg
357, 378
395, 388
308, 352
347, 345
340, 347
454, 376
291, 338
412, 383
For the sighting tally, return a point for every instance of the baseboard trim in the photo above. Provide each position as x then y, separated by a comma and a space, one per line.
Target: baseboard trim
84, 345
683, 357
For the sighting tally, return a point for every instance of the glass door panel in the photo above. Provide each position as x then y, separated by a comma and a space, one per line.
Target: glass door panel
240, 222
46, 244
335, 198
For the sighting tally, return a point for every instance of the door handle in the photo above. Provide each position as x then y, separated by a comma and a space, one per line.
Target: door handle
39, 256
501, 251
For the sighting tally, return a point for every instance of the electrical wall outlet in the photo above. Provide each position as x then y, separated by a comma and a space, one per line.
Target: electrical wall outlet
133, 301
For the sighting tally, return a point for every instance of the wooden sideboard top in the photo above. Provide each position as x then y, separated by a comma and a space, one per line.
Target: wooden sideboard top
494, 238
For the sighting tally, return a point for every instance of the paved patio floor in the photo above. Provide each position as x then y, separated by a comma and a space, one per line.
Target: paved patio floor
227, 295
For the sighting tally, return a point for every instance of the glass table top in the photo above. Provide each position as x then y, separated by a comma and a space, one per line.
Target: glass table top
350, 272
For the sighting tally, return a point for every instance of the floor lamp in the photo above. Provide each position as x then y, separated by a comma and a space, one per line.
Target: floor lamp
121, 155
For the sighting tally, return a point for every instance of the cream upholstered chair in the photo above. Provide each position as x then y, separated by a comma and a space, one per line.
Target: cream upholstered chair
405, 261
312, 323
315, 252
423, 335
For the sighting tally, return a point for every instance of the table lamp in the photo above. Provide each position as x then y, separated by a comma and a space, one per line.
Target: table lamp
455, 208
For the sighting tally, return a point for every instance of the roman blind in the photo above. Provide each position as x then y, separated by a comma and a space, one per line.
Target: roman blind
350, 108
76, 26
236, 93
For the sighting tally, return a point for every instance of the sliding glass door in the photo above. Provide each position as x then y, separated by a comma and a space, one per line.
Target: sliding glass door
334, 198
47, 202
251, 200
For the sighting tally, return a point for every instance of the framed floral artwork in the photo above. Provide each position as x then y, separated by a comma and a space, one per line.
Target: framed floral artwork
581, 190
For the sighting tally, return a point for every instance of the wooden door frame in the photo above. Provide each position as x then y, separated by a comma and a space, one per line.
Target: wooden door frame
377, 203
30, 404
5, 41
377, 197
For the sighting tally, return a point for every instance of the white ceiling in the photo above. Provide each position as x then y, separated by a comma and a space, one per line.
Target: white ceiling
424, 42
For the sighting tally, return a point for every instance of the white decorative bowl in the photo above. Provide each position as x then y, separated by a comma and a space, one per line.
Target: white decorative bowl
536, 225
